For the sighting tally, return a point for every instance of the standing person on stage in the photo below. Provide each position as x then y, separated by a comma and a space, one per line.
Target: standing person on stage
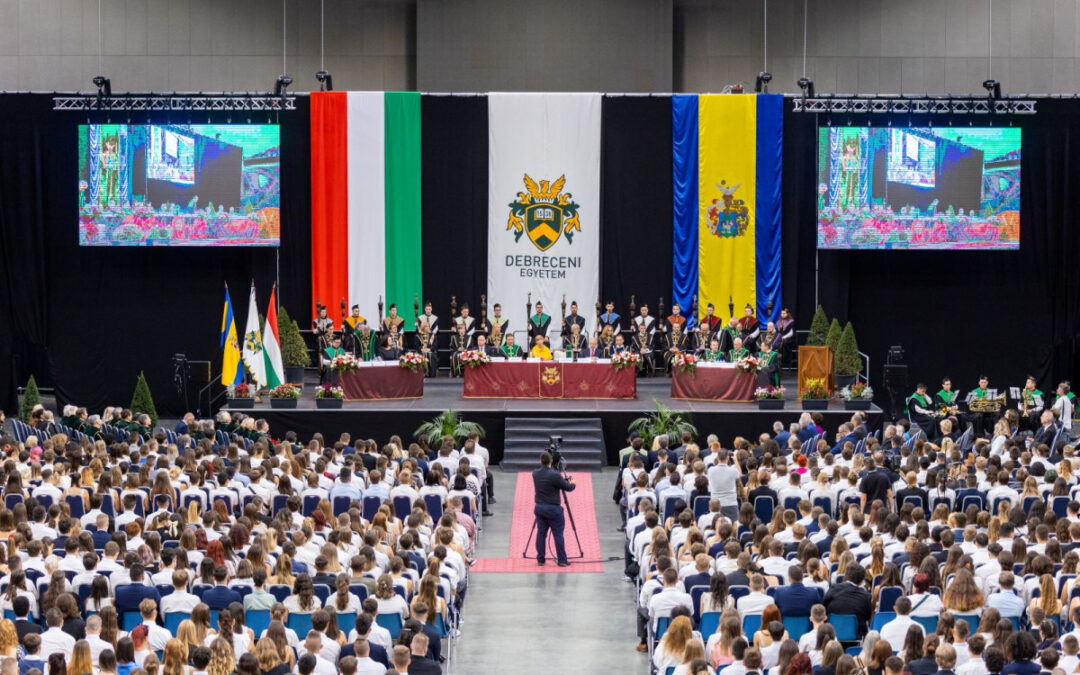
574, 344
460, 342
922, 410
768, 366
610, 318
675, 343
328, 355
676, 318
749, 328
352, 325
540, 349
427, 330
1063, 406
466, 320
392, 320
710, 319
643, 319
1030, 405
737, 351
593, 351
573, 319
982, 421
323, 327
729, 334
499, 325
509, 349
548, 484
366, 342
539, 323
643, 346
712, 352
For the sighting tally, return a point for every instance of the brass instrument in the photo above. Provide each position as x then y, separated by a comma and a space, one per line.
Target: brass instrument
987, 405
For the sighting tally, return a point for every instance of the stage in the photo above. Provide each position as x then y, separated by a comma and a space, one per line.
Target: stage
381, 419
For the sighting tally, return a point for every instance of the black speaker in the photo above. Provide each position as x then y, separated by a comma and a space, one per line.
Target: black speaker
895, 377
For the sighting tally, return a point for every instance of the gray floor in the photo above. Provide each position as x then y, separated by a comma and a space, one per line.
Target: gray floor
550, 623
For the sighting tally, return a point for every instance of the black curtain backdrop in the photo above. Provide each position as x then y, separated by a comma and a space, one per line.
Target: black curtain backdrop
86, 320
636, 193
454, 168
957, 313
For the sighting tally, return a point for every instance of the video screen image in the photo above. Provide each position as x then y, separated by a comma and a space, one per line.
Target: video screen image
919, 188
179, 185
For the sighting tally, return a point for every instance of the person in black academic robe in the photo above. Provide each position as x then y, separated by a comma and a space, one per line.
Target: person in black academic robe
539, 323
642, 344
571, 320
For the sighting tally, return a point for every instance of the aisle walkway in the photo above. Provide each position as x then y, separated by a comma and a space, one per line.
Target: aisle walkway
549, 624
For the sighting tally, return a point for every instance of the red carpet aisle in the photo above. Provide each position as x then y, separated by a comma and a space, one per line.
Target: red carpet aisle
581, 503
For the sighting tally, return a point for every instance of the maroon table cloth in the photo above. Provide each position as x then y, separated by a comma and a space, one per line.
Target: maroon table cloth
382, 383
713, 384
549, 379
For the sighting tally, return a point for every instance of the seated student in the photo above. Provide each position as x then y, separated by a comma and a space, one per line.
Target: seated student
1021, 649
895, 632
32, 644
946, 659
1070, 647
23, 625
976, 645
179, 600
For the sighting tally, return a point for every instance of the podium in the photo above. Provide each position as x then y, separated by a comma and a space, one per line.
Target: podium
816, 363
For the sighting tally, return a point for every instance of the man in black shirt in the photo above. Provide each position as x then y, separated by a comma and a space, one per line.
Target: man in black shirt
876, 485
547, 486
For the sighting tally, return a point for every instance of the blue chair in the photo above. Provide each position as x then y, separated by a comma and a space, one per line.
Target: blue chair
128, 620
751, 624
280, 592
738, 592
972, 620
440, 625
257, 620
347, 621
391, 622
11, 500
880, 619
311, 502
763, 508
796, 626
164, 589
695, 594
853, 651
662, 624
341, 504
792, 503
402, 507
434, 507
701, 506
322, 592
359, 590
928, 622
825, 503
1060, 505
277, 503
75, 505
9, 614
371, 506
300, 623
214, 618
173, 619
888, 596
710, 623
846, 627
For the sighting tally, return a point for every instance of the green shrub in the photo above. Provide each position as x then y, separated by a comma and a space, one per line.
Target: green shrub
819, 327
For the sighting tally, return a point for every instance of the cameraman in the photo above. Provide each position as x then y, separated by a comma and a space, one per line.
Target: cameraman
547, 484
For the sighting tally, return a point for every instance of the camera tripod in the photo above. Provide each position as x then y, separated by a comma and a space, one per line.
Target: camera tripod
549, 544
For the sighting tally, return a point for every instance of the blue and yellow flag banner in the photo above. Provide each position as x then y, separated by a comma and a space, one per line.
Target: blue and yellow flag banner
231, 370
735, 202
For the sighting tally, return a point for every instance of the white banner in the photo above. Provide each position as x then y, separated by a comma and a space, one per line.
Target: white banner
544, 205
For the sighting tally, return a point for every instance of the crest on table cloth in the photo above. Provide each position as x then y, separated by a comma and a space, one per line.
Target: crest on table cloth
550, 375
726, 215
544, 212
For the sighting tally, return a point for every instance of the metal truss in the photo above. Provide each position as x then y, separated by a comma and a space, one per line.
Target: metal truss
181, 102
916, 106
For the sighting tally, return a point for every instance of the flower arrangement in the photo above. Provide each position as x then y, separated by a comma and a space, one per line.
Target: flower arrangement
285, 391
687, 363
748, 365
344, 363
474, 357
625, 359
414, 361
328, 391
769, 392
857, 391
815, 389
242, 390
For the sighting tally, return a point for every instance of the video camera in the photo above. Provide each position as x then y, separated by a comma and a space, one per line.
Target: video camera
552, 448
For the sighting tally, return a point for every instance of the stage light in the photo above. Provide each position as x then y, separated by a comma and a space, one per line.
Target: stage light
103, 84
807, 86
281, 85
993, 89
326, 80
761, 83
737, 88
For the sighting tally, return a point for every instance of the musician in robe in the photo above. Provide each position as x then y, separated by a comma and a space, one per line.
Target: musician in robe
643, 319
617, 347
610, 318
729, 334
982, 421
737, 351
509, 349
921, 409
539, 323
674, 343
1031, 405
676, 318
642, 344
460, 342
607, 337
593, 351
748, 326
366, 342
352, 324
482, 345
389, 348
947, 398
710, 319
323, 327
573, 319
574, 343
465, 320
712, 353
329, 354
768, 366
540, 349
498, 326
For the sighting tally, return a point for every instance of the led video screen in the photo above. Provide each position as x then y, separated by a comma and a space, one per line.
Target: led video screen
179, 185
919, 188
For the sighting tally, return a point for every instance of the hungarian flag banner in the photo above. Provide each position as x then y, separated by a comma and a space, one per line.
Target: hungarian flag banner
275, 371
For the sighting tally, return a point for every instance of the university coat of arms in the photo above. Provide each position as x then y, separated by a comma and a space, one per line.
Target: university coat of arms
545, 213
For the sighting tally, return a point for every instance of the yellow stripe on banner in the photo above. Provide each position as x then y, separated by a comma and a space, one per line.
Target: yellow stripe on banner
727, 172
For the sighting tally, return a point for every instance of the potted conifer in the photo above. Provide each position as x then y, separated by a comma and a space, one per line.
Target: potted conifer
848, 361
294, 353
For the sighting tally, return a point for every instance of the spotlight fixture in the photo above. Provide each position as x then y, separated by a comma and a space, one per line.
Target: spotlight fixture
326, 80
993, 89
737, 88
761, 84
807, 86
103, 84
281, 85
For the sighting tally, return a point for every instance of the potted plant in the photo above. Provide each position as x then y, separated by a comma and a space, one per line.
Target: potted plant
857, 396
447, 423
284, 396
240, 396
686, 363
770, 397
294, 353
832, 338
474, 358
142, 401
31, 398
819, 327
848, 361
815, 396
414, 361
327, 396
663, 420
625, 359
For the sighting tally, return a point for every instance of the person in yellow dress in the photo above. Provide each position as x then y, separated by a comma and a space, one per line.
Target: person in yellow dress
540, 350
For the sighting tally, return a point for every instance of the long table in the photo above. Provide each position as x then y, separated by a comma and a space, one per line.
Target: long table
713, 382
383, 382
549, 379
